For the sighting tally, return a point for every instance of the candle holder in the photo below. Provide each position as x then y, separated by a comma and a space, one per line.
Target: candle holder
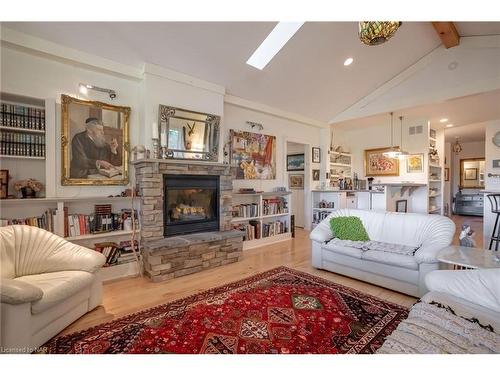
156, 148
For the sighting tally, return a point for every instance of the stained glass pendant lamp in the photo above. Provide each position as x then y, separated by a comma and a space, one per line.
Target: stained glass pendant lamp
373, 33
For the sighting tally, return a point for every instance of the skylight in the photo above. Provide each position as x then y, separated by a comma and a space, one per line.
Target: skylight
274, 42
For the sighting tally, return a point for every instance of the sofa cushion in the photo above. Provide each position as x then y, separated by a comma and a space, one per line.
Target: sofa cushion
56, 287
348, 228
338, 247
400, 260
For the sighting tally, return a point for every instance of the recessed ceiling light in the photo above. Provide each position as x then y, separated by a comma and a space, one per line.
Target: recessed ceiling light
348, 61
274, 42
443, 120
449, 125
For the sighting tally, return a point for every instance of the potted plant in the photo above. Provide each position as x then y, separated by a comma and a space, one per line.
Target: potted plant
29, 188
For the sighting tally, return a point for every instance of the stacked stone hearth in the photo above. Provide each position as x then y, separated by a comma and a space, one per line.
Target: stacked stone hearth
166, 258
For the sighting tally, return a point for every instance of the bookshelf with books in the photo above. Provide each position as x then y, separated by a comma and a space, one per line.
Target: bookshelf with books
263, 217
86, 221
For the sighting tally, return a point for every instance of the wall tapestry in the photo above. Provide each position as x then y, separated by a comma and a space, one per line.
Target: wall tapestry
376, 164
95, 142
254, 155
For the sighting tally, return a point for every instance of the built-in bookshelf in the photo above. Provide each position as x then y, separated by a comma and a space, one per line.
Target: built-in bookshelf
263, 218
54, 214
435, 175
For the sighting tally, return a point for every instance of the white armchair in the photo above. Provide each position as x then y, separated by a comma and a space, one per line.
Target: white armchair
46, 284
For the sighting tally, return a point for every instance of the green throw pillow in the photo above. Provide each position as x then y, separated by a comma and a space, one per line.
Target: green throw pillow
348, 228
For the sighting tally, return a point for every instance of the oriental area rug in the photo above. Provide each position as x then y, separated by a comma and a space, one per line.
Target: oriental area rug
279, 311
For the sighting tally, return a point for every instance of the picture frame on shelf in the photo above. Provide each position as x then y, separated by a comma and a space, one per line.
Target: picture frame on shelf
415, 163
4, 183
295, 162
95, 142
315, 174
316, 155
470, 174
402, 205
296, 181
447, 174
376, 164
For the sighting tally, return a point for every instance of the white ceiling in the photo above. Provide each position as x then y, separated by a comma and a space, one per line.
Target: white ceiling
307, 77
465, 113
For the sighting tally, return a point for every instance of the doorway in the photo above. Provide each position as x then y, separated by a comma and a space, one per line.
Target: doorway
464, 180
296, 180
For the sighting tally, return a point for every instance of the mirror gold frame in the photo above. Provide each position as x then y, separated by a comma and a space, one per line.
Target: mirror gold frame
462, 173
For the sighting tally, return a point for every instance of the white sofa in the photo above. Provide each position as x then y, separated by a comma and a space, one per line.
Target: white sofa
403, 273
46, 284
460, 314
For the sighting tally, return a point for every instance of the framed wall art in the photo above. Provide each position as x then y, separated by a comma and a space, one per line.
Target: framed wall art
95, 142
470, 174
315, 174
402, 205
415, 163
296, 181
447, 174
376, 164
295, 162
254, 155
316, 155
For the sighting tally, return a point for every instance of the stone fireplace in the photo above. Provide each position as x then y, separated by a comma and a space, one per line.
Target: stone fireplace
185, 216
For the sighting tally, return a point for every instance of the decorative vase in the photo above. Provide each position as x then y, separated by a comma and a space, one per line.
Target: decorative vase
28, 192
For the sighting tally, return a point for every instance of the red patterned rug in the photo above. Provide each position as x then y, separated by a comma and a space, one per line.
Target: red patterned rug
279, 311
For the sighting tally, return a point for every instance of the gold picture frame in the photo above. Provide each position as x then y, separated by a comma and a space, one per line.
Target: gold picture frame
99, 133
376, 164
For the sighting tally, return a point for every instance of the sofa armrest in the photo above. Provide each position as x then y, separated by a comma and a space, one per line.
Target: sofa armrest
481, 286
16, 292
428, 254
322, 232
76, 257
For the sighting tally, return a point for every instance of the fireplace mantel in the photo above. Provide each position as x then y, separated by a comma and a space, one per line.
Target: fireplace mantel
183, 161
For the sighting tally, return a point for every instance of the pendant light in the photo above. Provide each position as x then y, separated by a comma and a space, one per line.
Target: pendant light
394, 151
402, 154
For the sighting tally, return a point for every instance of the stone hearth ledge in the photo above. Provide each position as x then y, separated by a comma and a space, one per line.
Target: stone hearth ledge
191, 239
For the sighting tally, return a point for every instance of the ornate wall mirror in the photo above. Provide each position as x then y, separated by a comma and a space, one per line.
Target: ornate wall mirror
188, 134
472, 173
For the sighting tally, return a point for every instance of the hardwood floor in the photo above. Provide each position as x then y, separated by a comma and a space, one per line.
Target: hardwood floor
131, 295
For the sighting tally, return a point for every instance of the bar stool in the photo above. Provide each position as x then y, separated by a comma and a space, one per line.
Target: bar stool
495, 209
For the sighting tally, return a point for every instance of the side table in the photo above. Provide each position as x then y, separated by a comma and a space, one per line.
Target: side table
469, 257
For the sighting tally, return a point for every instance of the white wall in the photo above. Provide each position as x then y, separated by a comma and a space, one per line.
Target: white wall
28, 74
447, 184
379, 135
470, 150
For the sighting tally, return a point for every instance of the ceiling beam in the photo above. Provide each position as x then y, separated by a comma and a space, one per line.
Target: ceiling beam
448, 33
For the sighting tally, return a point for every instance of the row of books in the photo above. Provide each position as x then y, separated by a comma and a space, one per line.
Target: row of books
117, 253
80, 224
45, 221
246, 210
254, 230
273, 206
319, 216
20, 116
20, 144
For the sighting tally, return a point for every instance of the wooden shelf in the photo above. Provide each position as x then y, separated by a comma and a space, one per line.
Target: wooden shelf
100, 235
275, 215
21, 130
240, 219
64, 199
23, 157
340, 165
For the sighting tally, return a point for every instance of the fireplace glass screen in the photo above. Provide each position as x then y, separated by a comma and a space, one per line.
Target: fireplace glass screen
191, 204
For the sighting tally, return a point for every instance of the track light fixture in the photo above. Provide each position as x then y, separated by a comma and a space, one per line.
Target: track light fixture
84, 87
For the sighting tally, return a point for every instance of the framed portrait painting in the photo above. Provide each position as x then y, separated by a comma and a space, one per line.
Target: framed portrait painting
376, 164
295, 162
415, 163
95, 142
315, 174
296, 181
